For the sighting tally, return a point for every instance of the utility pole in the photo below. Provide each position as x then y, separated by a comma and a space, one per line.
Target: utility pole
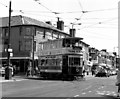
33, 67
7, 71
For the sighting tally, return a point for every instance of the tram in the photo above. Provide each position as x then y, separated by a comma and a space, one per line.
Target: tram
61, 58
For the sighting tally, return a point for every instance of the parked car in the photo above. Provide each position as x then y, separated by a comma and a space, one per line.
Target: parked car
2, 71
114, 72
103, 73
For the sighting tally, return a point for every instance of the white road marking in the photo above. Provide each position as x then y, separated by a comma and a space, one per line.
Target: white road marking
76, 96
107, 94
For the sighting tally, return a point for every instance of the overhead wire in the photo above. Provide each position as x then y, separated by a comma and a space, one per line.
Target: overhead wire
47, 8
96, 35
100, 22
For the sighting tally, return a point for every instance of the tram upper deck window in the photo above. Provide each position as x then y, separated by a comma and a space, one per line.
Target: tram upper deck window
72, 43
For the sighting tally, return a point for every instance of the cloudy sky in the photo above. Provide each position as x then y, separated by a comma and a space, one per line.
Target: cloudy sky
98, 18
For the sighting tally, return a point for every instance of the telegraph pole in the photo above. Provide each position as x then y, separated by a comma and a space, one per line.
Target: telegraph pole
33, 67
7, 72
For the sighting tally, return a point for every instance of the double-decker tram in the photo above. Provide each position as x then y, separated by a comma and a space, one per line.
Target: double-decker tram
61, 58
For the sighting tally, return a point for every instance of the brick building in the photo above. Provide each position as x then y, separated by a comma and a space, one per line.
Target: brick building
25, 33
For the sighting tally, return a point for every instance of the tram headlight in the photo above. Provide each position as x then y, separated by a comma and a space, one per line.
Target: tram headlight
77, 69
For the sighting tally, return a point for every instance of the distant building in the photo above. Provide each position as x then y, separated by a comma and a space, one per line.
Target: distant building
85, 49
107, 59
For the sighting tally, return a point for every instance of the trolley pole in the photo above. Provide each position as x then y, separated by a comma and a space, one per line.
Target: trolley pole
7, 73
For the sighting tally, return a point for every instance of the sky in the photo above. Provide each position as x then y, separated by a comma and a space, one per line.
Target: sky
96, 21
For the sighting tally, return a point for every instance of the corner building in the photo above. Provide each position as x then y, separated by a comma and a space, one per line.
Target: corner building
25, 33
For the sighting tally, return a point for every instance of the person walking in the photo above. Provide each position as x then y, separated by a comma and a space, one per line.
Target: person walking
118, 81
28, 71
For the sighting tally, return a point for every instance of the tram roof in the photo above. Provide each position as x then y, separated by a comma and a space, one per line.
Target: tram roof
74, 39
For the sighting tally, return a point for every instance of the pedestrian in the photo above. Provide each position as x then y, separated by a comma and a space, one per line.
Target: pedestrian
118, 82
84, 72
93, 72
28, 71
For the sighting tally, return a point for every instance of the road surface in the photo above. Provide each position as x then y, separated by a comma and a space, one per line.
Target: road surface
91, 87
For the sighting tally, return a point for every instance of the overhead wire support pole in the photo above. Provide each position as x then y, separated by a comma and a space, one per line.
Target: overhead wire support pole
33, 34
7, 75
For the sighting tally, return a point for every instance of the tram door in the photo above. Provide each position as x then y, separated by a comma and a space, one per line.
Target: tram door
65, 65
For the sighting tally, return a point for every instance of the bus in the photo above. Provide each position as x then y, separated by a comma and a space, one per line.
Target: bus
61, 58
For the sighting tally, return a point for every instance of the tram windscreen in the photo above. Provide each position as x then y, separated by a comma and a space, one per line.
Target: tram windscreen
74, 61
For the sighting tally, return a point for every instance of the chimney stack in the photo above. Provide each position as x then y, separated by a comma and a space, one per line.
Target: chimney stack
60, 25
48, 22
72, 32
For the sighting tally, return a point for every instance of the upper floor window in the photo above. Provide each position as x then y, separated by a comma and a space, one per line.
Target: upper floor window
28, 31
55, 36
6, 32
48, 35
20, 30
28, 45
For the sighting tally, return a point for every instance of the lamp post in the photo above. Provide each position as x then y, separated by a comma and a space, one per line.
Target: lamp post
7, 72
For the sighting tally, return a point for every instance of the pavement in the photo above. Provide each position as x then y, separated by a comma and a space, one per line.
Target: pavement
21, 77
18, 77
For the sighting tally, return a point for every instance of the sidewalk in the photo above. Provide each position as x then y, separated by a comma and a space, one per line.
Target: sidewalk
14, 78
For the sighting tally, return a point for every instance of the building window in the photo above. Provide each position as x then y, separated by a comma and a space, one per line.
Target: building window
55, 36
48, 35
62, 36
20, 46
6, 32
20, 30
28, 31
28, 45
5, 41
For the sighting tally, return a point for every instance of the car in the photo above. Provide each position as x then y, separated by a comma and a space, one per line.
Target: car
103, 73
2, 71
114, 72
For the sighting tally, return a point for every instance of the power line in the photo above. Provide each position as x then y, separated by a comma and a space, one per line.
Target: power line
47, 8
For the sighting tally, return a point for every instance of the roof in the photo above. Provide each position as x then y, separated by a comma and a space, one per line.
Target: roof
85, 43
23, 20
